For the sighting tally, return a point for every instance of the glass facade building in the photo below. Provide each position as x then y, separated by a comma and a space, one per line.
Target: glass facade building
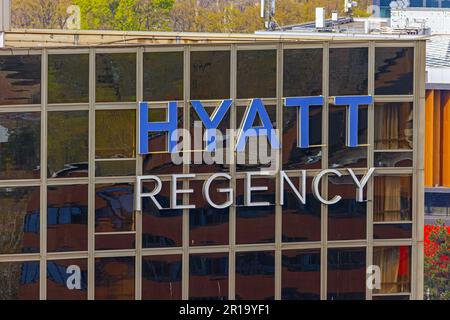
69, 162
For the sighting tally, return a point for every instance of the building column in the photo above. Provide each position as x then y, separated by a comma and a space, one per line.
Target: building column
445, 138
429, 137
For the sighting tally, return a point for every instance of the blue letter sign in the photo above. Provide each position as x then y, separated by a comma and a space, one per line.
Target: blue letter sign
303, 104
352, 103
247, 130
211, 124
170, 127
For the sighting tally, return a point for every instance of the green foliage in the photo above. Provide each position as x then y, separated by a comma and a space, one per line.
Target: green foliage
142, 15
437, 263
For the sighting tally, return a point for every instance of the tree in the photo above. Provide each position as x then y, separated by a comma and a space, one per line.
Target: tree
143, 15
40, 14
437, 262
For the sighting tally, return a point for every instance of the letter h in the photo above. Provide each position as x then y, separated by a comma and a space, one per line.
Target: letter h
170, 126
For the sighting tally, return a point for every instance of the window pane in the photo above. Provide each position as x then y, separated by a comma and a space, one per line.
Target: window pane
163, 76
296, 214
19, 280
115, 134
293, 156
256, 74
392, 231
161, 228
208, 276
159, 161
255, 276
258, 152
68, 144
394, 129
115, 168
346, 278
59, 277
394, 70
339, 154
255, 224
392, 198
19, 218
395, 265
345, 79
198, 143
116, 77
347, 218
161, 277
302, 75
114, 278
20, 145
114, 207
210, 75
20, 80
68, 78
393, 159
114, 241
208, 225
300, 278
67, 218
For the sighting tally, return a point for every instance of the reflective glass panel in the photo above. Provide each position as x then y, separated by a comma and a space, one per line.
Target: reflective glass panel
114, 278
394, 71
208, 225
67, 218
210, 75
115, 168
394, 129
202, 160
67, 279
255, 224
19, 280
114, 207
20, 145
255, 275
115, 134
392, 198
161, 228
159, 160
68, 78
345, 78
68, 144
256, 74
163, 76
116, 77
393, 159
258, 151
295, 157
161, 277
339, 154
347, 218
302, 72
20, 80
115, 241
395, 265
300, 278
392, 231
346, 277
19, 220
208, 276
301, 222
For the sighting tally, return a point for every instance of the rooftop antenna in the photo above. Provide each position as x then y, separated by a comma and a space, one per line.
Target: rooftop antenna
268, 13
